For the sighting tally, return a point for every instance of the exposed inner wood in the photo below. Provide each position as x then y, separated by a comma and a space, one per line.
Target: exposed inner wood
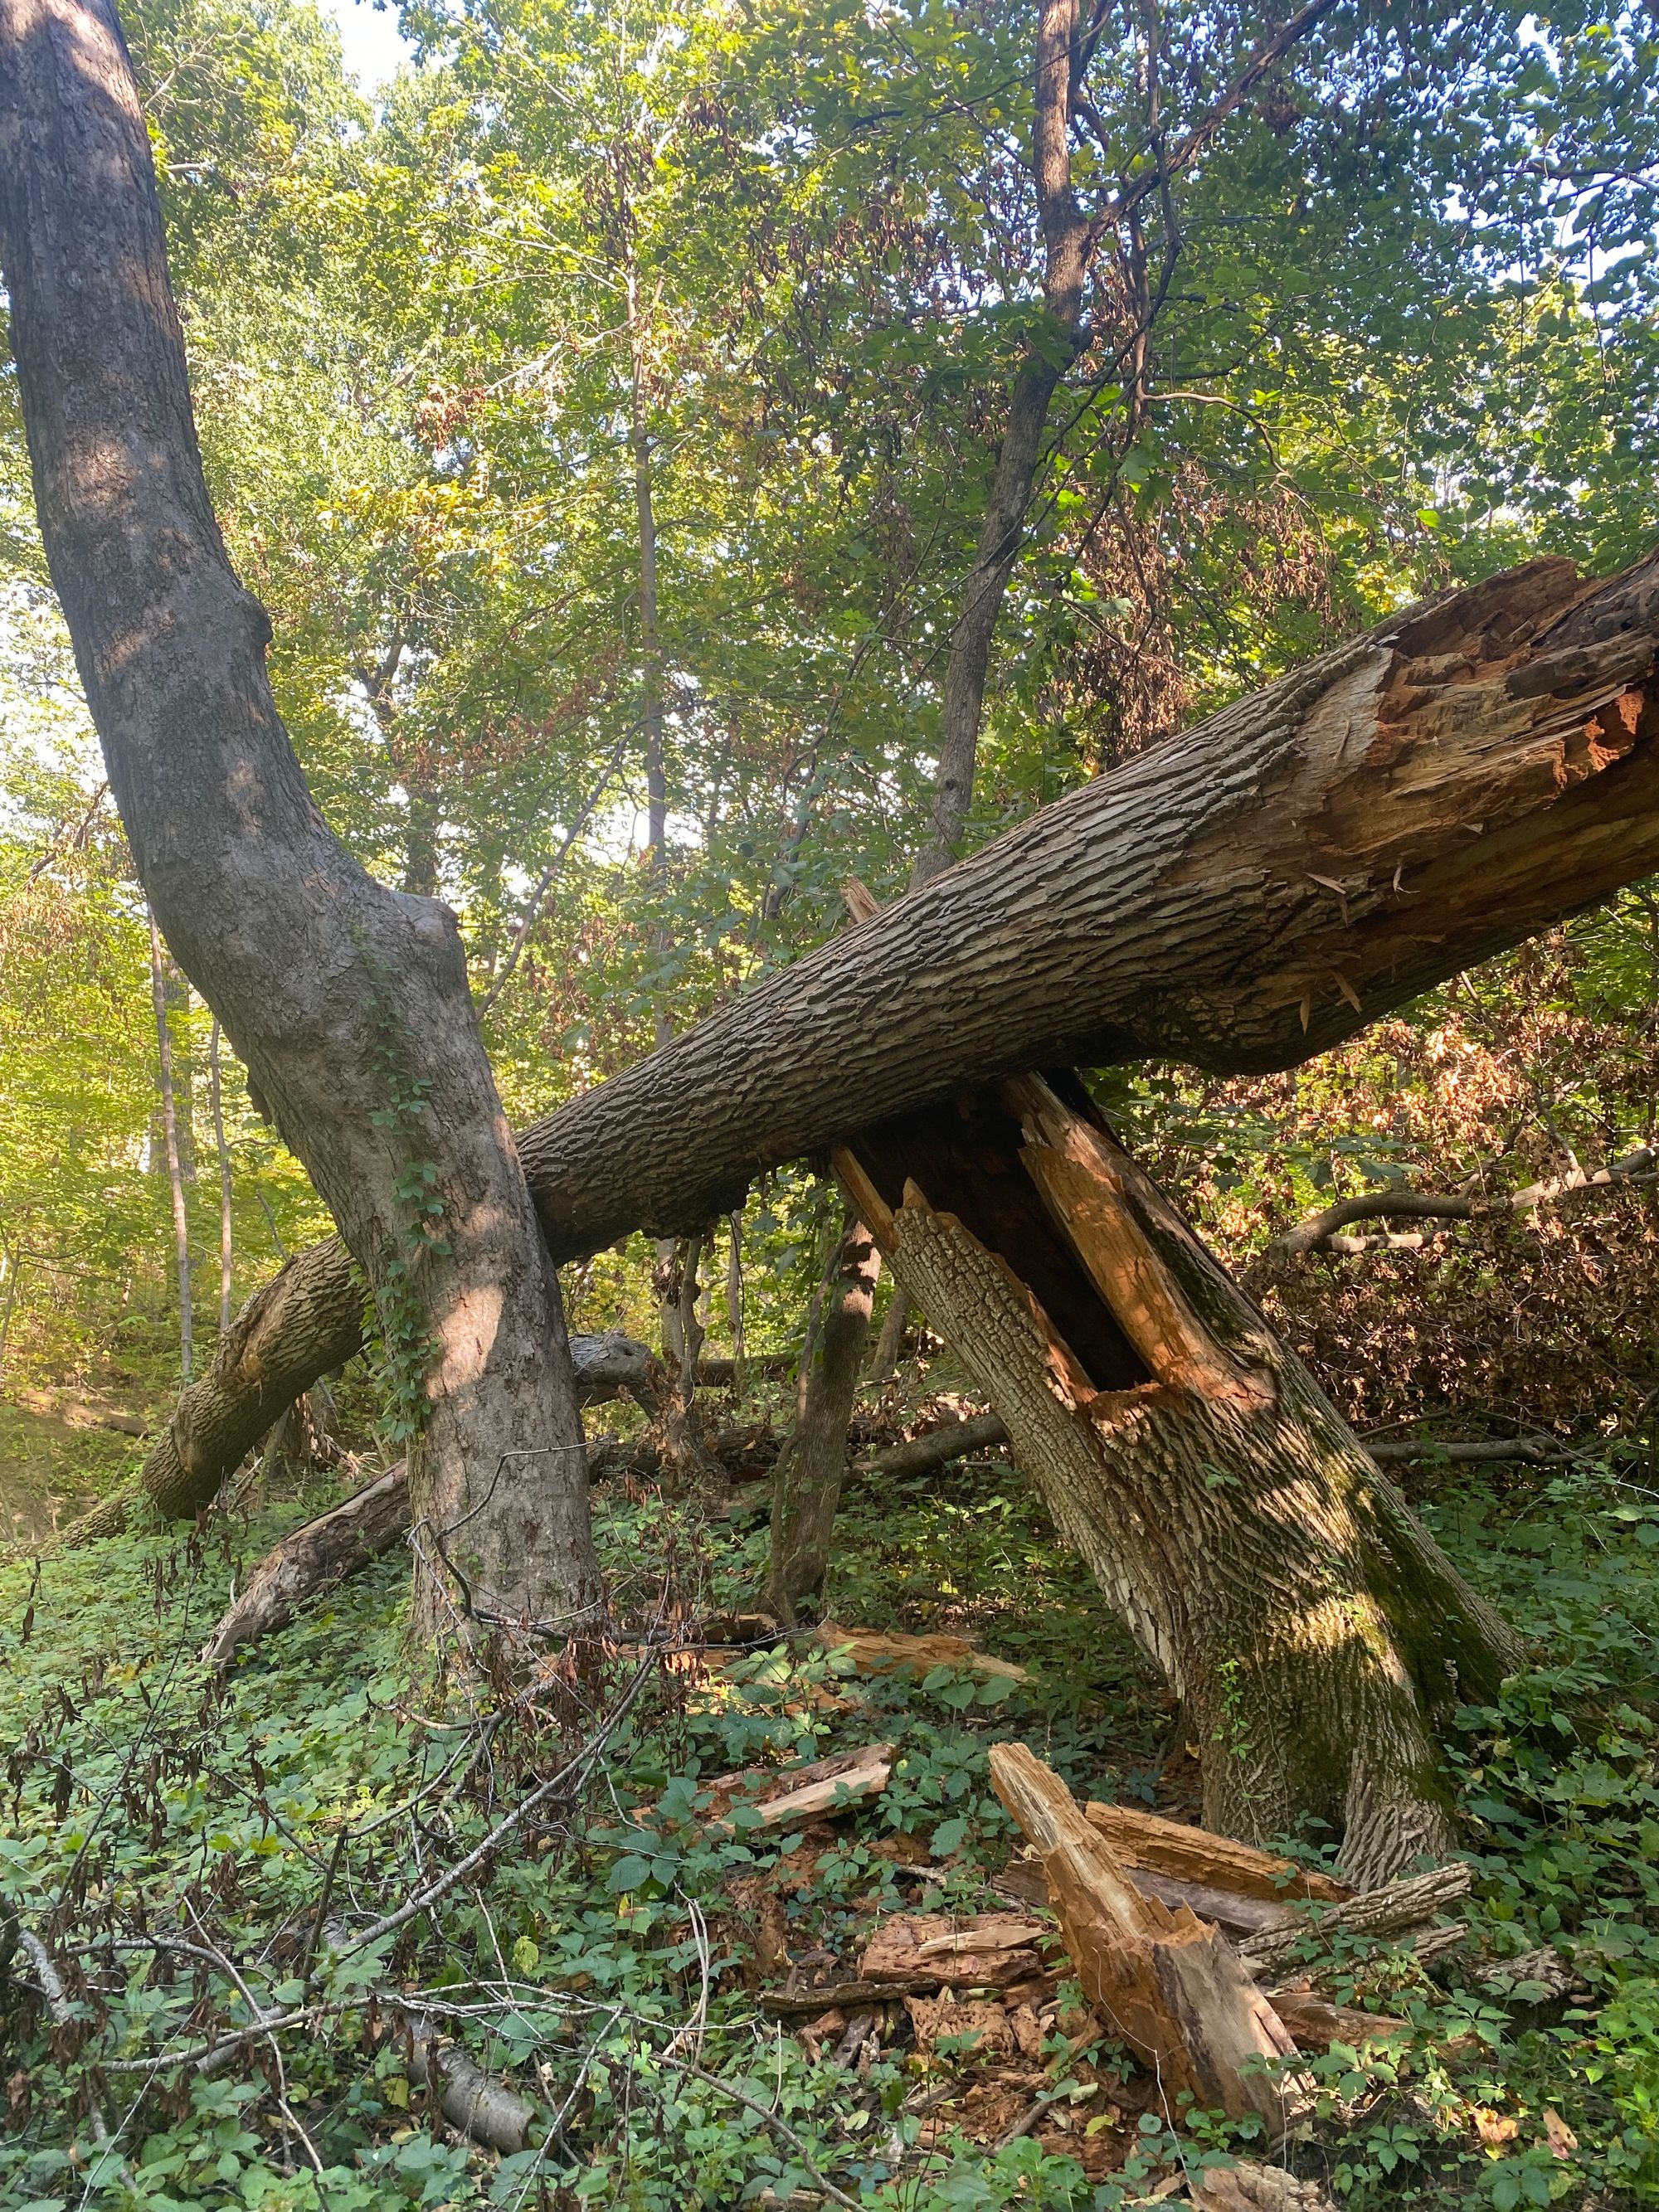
1171, 1847
1169, 1984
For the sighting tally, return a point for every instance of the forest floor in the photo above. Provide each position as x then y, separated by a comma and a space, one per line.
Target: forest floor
213, 1866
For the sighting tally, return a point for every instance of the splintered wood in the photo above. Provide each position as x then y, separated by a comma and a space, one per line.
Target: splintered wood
990, 1951
1193, 1855
1169, 1984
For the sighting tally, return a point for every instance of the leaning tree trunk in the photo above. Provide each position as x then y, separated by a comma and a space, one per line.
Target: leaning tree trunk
348, 1002
1244, 896
1308, 1622
812, 1465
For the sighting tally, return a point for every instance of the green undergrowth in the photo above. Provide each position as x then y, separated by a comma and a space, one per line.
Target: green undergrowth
189, 1850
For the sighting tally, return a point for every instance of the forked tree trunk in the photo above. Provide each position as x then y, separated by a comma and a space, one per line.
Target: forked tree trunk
812, 1465
347, 1002
1311, 1626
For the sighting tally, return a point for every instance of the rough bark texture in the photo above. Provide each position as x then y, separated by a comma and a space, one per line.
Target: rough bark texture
348, 1002
1306, 1620
1250, 894
336, 1544
171, 1153
812, 1465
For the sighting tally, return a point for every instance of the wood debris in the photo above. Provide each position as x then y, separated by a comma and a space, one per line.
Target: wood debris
1169, 1984
1195, 1856
1251, 2187
933, 2019
993, 1950
824, 1786
875, 1653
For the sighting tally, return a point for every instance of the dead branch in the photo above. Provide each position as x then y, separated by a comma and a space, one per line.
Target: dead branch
1320, 1232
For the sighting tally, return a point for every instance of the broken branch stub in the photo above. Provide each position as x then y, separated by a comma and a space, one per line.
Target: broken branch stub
1168, 1983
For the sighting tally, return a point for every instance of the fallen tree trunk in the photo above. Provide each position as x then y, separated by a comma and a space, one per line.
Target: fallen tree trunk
1311, 1626
1255, 892
291, 1332
925, 1455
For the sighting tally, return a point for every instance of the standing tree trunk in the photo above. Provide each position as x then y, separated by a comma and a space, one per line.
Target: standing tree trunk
347, 1002
1068, 245
223, 1151
1312, 1629
890, 1342
812, 1465
170, 1148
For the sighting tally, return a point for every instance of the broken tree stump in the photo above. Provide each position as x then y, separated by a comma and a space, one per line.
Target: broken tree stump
1169, 1984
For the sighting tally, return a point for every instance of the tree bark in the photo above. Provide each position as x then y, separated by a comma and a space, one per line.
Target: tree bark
347, 1002
170, 1150
1068, 250
223, 1150
1250, 894
890, 1342
1308, 1622
812, 1465
1245, 896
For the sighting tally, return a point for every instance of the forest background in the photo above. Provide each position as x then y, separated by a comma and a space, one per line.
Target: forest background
603, 413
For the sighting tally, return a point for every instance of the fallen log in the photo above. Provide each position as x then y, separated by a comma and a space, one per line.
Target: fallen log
1315, 2023
337, 1543
1405, 1910
871, 1653
925, 1455
306, 1322
362, 1528
471, 2100
1168, 1983
1289, 869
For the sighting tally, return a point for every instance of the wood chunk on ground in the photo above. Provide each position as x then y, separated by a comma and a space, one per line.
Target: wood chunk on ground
875, 1653
1168, 1982
1315, 2023
992, 1950
1249, 2187
1196, 1854
1401, 1912
822, 1787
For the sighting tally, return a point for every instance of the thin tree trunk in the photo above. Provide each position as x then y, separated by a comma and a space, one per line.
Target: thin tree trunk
890, 1342
1067, 251
223, 1150
1309, 1625
682, 1427
734, 1300
347, 1003
812, 1465
170, 1148
1243, 898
